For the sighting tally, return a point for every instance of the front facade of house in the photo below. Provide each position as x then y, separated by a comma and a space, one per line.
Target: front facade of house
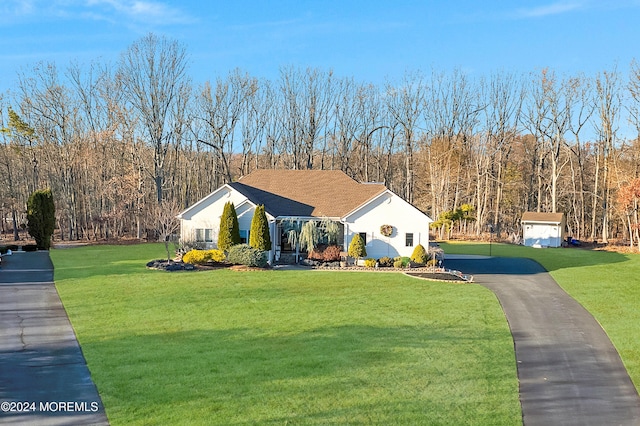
293, 197
543, 229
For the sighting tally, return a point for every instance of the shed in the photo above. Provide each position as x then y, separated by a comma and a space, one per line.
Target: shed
543, 229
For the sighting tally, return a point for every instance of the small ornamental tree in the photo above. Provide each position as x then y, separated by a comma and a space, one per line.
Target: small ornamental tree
310, 236
356, 247
419, 255
259, 236
41, 217
229, 234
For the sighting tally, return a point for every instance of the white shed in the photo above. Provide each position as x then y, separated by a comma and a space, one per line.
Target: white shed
543, 229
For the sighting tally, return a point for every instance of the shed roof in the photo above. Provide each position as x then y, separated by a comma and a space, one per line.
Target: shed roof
316, 193
542, 217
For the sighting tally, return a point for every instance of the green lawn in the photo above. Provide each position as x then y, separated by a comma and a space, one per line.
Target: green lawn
607, 284
285, 347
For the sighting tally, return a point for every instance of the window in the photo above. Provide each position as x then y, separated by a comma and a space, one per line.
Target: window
244, 236
363, 235
204, 235
408, 239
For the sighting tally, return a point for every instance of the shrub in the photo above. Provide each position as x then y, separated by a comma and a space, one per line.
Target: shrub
244, 254
317, 253
4, 249
419, 255
259, 236
200, 257
404, 259
385, 262
30, 247
432, 262
331, 253
41, 217
398, 264
324, 253
369, 263
215, 255
356, 247
195, 257
229, 234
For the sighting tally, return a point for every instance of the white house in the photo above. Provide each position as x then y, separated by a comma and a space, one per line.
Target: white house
292, 197
543, 229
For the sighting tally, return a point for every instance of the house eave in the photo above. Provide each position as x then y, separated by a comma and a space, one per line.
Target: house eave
204, 200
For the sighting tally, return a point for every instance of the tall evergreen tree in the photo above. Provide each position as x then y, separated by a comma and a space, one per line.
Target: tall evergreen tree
259, 236
41, 217
229, 234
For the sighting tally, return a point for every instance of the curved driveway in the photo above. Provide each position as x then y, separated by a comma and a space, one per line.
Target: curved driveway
569, 371
41, 363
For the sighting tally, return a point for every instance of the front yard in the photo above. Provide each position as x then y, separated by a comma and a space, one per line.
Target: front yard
285, 347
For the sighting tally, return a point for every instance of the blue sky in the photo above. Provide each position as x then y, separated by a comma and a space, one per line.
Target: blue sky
369, 40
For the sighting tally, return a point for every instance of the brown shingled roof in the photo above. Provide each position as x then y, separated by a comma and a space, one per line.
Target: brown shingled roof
317, 193
542, 217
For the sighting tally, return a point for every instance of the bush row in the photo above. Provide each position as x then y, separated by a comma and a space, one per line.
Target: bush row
239, 254
419, 257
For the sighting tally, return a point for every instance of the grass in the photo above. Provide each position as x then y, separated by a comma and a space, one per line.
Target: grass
285, 347
605, 283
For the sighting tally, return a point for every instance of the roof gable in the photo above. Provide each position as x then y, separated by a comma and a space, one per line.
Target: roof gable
542, 217
316, 193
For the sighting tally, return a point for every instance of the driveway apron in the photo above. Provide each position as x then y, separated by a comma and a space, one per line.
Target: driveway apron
569, 371
44, 379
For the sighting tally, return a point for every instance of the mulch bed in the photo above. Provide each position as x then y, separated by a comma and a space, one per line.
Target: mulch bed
436, 276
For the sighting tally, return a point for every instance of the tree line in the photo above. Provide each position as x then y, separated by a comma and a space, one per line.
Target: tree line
122, 144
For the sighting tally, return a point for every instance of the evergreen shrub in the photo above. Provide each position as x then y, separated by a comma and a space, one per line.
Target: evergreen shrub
244, 254
419, 255
215, 255
357, 247
200, 257
41, 217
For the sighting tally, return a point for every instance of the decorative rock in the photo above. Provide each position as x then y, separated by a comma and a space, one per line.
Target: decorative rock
170, 266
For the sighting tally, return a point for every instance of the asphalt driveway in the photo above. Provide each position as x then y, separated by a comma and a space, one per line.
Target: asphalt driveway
569, 371
44, 379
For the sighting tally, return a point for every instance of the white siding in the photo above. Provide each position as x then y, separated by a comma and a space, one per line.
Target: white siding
388, 209
206, 214
542, 234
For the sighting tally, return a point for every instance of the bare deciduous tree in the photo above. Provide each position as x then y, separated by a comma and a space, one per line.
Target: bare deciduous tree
153, 72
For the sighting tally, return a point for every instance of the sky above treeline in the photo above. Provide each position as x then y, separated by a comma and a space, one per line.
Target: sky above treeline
372, 41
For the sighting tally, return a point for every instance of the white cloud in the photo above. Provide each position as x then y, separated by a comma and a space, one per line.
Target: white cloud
140, 10
548, 10
17, 7
123, 11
